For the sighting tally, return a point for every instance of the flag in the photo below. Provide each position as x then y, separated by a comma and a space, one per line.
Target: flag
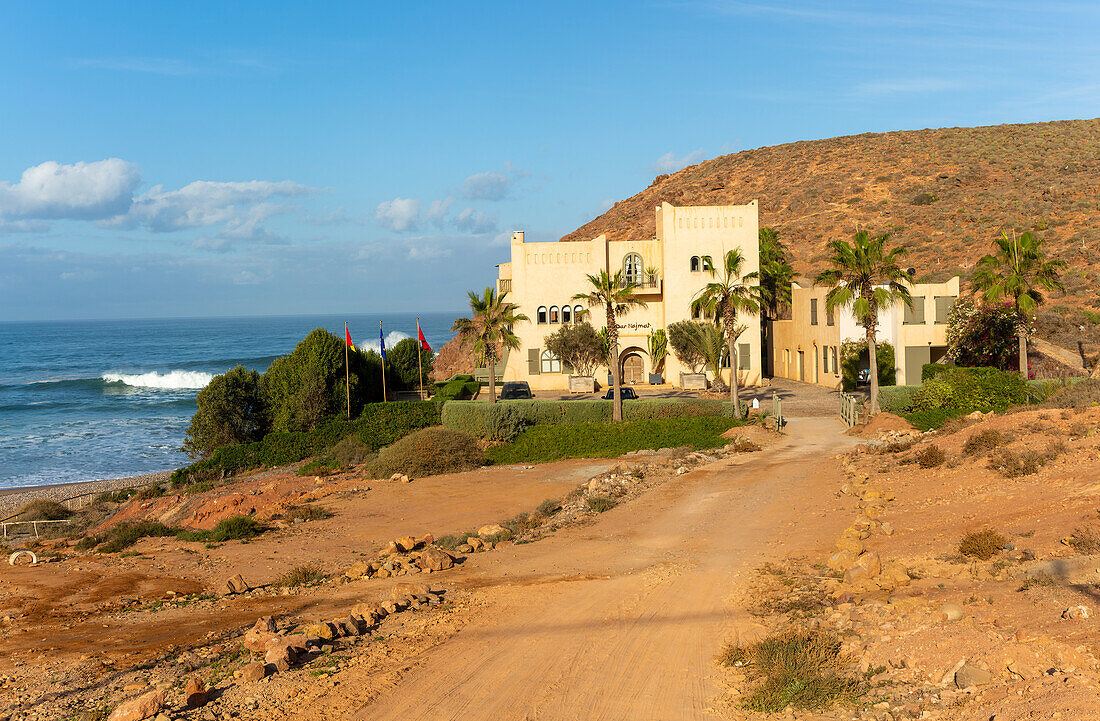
420, 335
381, 340
347, 337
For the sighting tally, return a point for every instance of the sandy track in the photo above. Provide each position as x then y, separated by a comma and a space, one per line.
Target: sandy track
622, 619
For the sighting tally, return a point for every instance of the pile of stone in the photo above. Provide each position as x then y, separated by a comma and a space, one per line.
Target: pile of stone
863, 569
402, 557
891, 440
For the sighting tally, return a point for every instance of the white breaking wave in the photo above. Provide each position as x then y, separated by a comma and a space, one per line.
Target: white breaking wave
392, 338
172, 379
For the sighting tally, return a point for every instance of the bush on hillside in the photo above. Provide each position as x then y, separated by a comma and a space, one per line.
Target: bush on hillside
429, 452
1076, 396
984, 544
983, 335
930, 457
43, 509
231, 411
982, 442
897, 399
411, 363
545, 443
850, 353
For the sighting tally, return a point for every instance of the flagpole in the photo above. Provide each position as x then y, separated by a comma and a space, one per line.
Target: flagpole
383, 349
419, 363
347, 370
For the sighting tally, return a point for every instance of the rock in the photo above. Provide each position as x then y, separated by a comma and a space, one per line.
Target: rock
435, 559
951, 612
321, 630
887, 528
405, 543
894, 575
849, 543
475, 543
842, 560
279, 652
298, 643
265, 623
400, 478
1022, 670
866, 567
256, 641
968, 676
279, 666
493, 529
949, 677
194, 693
409, 589
254, 671
142, 707
426, 540
390, 606
465, 548
359, 569
1076, 612
237, 584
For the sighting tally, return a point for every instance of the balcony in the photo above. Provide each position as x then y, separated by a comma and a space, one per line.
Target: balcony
648, 284
505, 285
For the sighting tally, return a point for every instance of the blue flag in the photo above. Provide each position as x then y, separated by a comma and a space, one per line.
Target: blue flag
382, 340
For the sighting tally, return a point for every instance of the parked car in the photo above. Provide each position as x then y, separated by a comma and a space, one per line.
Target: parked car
626, 393
515, 390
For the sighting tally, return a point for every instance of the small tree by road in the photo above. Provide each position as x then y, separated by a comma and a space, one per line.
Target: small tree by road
490, 328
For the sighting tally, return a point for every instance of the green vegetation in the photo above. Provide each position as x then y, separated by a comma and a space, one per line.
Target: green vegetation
680, 337
982, 336
305, 512
231, 410
1077, 396
616, 297
545, 443
971, 389
460, 387
378, 424
490, 328
123, 535
864, 277
799, 669
776, 275
599, 504
850, 353
429, 452
411, 363
897, 399
548, 507
657, 344
300, 576
578, 346
984, 544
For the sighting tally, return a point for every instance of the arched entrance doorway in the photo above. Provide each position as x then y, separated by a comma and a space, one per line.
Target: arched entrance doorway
633, 370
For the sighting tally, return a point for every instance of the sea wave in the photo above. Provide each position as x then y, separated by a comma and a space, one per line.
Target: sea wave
169, 380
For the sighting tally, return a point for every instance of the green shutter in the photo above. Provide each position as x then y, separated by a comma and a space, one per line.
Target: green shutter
534, 364
743, 361
943, 307
916, 315
813, 311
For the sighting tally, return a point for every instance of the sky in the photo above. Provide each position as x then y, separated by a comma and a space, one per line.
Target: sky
169, 159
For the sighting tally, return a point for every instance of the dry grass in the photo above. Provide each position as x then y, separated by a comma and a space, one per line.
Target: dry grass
797, 669
985, 441
599, 504
300, 576
1012, 464
984, 544
42, 509
1084, 540
930, 457
305, 512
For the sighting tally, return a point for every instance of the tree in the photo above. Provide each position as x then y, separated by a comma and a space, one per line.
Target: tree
490, 327
852, 354
776, 275
983, 335
230, 411
709, 341
579, 345
1018, 271
681, 336
617, 298
866, 277
411, 363
724, 298
658, 348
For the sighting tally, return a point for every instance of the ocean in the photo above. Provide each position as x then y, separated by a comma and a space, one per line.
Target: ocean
92, 400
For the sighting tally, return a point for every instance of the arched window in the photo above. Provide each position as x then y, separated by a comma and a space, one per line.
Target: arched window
553, 314
695, 264
540, 317
632, 269
566, 314
550, 362
707, 264
578, 313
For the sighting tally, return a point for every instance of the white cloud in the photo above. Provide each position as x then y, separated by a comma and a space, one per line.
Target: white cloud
908, 86
670, 163
399, 214
427, 251
84, 191
492, 184
437, 211
241, 206
475, 221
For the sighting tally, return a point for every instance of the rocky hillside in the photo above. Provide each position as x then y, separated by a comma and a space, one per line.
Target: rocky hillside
942, 193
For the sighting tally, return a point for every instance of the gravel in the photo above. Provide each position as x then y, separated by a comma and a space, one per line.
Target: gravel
12, 499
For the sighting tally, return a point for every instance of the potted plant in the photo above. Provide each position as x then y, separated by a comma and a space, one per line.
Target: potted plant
578, 346
681, 336
658, 351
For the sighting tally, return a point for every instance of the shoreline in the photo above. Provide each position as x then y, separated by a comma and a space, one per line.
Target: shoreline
11, 499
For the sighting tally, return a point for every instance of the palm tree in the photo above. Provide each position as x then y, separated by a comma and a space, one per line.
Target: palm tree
1017, 270
617, 298
490, 327
709, 341
723, 298
776, 275
866, 277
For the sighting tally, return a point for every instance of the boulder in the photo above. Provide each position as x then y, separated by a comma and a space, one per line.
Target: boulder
265, 623
405, 543
359, 569
842, 560
475, 543
435, 559
298, 643
321, 630
279, 652
850, 543
142, 707
194, 693
426, 540
968, 676
866, 567
1076, 612
493, 529
253, 671
237, 584
409, 589
256, 641
951, 612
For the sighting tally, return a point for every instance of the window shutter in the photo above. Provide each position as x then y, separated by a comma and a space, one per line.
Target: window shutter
813, 311
534, 364
916, 315
743, 356
828, 315
943, 307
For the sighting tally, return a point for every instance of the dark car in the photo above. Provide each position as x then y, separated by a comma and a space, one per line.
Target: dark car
627, 394
515, 390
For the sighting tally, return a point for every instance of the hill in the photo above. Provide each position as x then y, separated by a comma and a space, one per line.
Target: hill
941, 193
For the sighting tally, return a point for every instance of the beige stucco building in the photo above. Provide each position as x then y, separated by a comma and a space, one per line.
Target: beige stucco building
669, 270
807, 347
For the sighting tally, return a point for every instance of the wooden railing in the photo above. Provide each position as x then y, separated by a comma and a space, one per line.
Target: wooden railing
850, 407
777, 411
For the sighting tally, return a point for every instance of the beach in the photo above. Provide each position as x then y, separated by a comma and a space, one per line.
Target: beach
12, 499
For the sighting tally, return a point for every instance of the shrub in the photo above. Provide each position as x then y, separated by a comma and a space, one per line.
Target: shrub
503, 422
982, 442
983, 336
797, 669
541, 444
231, 411
599, 504
305, 512
681, 336
404, 358
235, 528
300, 576
548, 507
984, 544
458, 388
319, 467
125, 534
930, 457
853, 354
1084, 540
897, 399
933, 418
928, 371
1076, 396
351, 451
429, 452
577, 345
42, 509
1013, 465
971, 389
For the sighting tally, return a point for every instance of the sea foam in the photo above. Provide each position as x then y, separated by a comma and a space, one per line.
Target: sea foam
170, 380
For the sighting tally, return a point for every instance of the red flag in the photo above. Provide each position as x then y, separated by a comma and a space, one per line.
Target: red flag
347, 337
420, 336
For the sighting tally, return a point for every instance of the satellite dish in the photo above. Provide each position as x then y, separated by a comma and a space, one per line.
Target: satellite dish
911, 272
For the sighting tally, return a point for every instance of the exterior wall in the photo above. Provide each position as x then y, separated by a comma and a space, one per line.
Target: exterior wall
549, 274
800, 346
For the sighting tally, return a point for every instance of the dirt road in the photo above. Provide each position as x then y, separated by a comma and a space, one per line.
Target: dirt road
622, 619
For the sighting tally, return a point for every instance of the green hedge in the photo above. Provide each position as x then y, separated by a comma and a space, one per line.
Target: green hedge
956, 391
483, 419
459, 388
379, 425
545, 443
928, 371
896, 399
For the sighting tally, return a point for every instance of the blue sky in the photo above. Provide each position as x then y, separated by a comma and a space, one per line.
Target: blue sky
182, 159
